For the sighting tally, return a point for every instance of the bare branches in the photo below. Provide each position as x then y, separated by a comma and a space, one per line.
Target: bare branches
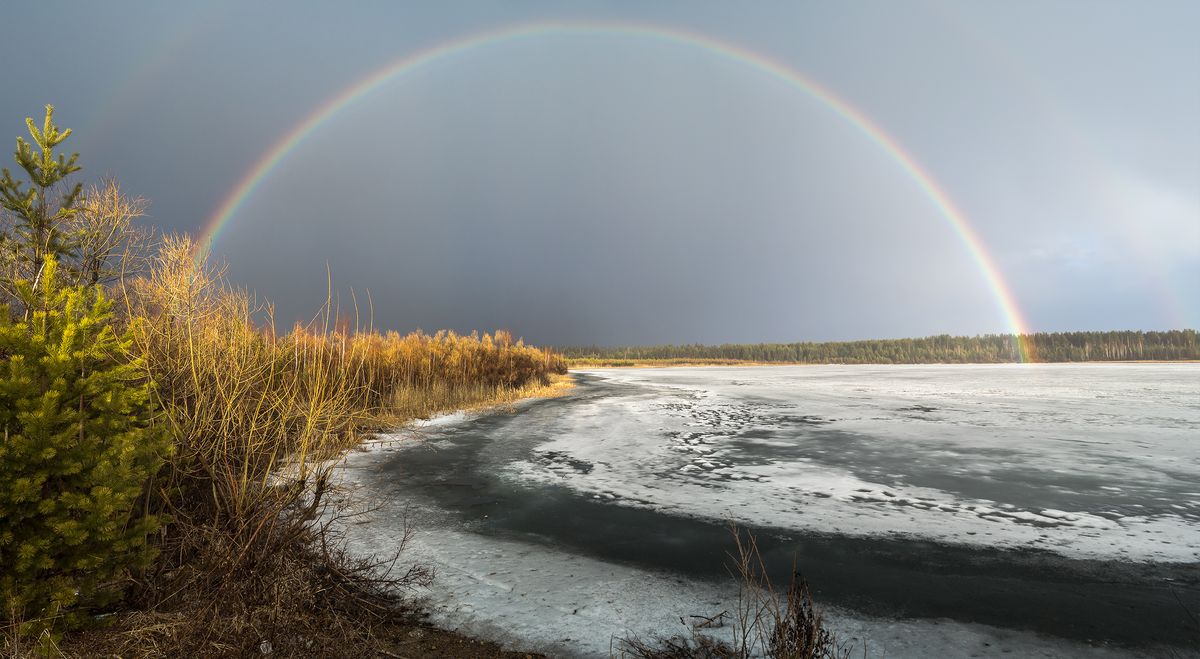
764, 623
108, 245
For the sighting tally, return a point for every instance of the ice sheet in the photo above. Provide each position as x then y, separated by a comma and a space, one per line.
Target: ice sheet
1091, 461
536, 598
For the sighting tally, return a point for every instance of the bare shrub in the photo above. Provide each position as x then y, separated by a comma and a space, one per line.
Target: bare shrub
107, 244
764, 623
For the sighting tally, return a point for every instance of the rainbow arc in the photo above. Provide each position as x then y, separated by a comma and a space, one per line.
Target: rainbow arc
869, 129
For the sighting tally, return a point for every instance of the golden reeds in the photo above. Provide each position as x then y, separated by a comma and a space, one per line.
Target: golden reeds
247, 556
241, 398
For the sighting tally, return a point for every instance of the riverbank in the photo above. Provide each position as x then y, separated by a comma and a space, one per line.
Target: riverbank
318, 599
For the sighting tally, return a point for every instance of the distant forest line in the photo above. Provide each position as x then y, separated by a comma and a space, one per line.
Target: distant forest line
987, 349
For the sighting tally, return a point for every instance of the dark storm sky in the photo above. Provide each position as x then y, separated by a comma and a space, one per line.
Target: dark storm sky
607, 189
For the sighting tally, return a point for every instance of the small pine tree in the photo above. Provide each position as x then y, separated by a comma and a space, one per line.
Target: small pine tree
39, 227
77, 449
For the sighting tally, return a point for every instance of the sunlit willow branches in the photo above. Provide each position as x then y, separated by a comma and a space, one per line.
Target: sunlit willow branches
243, 399
255, 413
107, 244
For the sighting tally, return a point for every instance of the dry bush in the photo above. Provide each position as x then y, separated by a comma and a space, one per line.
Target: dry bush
692, 646
107, 245
306, 596
240, 400
253, 412
247, 561
764, 624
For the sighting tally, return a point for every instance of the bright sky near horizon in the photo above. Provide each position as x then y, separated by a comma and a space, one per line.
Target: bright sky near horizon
601, 187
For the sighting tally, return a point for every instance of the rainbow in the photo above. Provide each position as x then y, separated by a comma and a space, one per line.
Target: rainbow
156, 59
941, 200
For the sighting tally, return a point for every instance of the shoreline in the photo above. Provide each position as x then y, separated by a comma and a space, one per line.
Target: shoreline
654, 363
417, 634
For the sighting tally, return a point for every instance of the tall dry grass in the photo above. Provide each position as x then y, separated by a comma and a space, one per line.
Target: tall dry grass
248, 556
241, 398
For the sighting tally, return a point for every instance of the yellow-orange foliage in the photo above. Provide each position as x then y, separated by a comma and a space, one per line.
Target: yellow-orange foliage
243, 400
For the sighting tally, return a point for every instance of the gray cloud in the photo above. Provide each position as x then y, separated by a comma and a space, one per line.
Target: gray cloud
617, 190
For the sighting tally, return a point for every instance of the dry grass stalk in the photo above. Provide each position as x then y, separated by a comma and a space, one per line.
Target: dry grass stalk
765, 624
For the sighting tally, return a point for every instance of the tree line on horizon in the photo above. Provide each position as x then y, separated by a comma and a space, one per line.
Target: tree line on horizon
1128, 345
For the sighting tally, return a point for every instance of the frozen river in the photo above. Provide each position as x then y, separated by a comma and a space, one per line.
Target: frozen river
1047, 510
